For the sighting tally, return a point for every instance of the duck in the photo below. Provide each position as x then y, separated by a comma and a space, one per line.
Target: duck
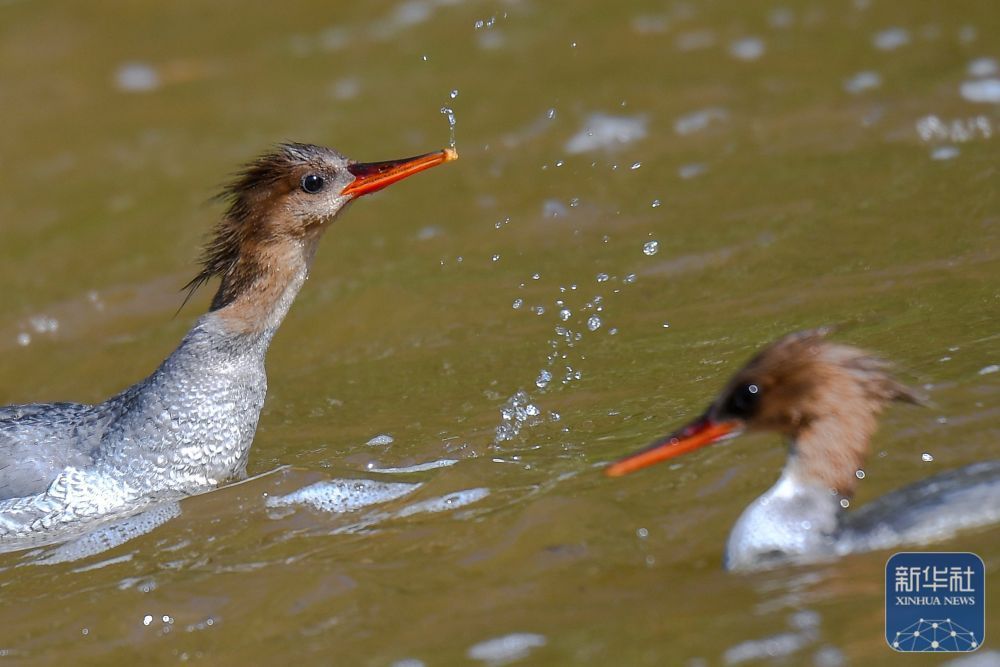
188, 427
825, 399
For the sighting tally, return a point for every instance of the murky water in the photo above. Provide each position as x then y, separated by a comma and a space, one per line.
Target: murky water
647, 192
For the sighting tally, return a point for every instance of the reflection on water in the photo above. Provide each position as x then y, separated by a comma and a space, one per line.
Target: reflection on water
646, 195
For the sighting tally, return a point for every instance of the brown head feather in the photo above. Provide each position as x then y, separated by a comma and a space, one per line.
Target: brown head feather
253, 196
825, 396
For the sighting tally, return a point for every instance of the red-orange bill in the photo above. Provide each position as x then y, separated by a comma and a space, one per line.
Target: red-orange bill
702, 431
372, 176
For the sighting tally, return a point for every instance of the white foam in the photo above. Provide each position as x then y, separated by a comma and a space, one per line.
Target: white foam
343, 495
982, 90
137, 77
747, 48
445, 503
110, 536
699, 120
891, 39
603, 131
508, 648
419, 467
863, 81
981, 67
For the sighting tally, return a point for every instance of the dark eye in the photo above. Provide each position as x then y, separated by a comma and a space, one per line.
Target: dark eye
742, 402
312, 183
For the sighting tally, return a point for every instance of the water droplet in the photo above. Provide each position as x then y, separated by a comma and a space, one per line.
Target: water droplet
147, 619
860, 474
496, 257
845, 503
424, 58
630, 278
926, 457
650, 248
539, 310
517, 303
565, 314
24, 339
536, 276
450, 113
593, 322
550, 114
453, 94
602, 277
544, 377
635, 165
656, 203
642, 533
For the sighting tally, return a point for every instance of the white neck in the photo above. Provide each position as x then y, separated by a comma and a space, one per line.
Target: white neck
795, 517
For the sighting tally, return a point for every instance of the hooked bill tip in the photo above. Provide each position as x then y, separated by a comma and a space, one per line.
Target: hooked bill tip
450, 154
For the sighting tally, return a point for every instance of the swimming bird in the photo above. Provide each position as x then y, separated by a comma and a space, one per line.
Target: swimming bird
825, 398
189, 426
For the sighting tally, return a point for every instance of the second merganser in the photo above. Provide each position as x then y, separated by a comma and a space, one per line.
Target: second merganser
825, 398
189, 426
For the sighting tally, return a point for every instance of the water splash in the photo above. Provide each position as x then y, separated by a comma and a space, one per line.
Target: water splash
515, 414
450, 113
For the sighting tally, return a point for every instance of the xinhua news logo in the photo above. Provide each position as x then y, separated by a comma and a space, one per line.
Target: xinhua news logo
935, 602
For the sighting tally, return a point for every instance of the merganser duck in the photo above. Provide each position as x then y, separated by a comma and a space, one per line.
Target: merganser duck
189, 426
825, 398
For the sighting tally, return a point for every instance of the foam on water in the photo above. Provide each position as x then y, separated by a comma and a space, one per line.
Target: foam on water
505, 649
343, 495
863, 81
110, 536
137, 77
891, 39
747, 48
697, 121
605, 132
419, 467
445, 503
985, 91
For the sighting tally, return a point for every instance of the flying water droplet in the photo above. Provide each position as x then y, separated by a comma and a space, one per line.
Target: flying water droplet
845, 503
656, 203
593, 322
602, 277
544, 377
650, 248
450, 113
860, 474
926, 457
517, 303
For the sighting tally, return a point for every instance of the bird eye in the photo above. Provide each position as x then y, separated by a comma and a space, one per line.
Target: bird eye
312, 183
743, 401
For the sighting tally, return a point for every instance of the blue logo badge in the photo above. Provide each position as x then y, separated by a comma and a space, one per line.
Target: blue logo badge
934, 601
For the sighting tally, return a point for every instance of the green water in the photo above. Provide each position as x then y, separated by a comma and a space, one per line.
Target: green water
795, 203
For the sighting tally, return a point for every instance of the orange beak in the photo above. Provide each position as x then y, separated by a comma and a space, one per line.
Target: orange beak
373, 176
702, 431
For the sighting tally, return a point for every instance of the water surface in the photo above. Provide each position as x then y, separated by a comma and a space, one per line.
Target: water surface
647, 193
